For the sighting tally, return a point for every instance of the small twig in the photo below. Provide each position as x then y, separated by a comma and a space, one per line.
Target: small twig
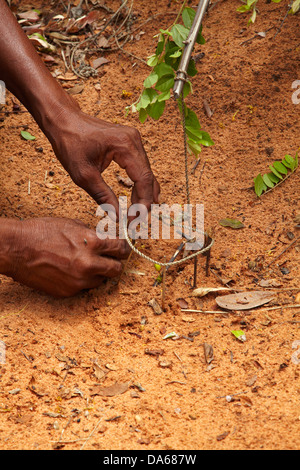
201, 172
92, 38
178, 250
195, 272
195, 166
207, 263
163, 297
125, 265
92, 433
213, 5
202, 311
231, 311
283, 251
25, 355
279, 307
285, 17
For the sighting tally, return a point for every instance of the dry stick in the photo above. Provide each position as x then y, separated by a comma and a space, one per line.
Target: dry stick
283, 251
125, 265
163, 297
195, 166
92, 433
92, 38
178, 250
201, 172
230, 311
127, 52
195, 272
279, 28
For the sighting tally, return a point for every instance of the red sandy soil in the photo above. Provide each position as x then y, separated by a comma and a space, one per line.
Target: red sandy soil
60, 354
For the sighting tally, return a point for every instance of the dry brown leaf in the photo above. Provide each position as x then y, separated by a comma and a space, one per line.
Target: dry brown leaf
110, 391
36, 390
251, 381
75, 90
67, 76
156, 307
100, 374
188, 319
154, 352
99, 61
201, 291
270, 283
208, 353
207, 108
103, 42
182, 303
125, 181
244, 300
30, 15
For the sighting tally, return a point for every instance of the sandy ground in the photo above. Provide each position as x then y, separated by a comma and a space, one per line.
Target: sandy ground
95, 370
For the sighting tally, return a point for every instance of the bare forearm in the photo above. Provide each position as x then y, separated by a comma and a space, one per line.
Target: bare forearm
8, 231
25, 74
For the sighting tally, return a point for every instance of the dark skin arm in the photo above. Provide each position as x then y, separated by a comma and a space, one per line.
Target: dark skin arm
85, 146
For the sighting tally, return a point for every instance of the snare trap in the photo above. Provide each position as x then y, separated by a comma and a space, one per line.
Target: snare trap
172, 66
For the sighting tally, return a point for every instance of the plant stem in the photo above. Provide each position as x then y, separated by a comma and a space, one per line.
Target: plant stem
163, 289
179, 13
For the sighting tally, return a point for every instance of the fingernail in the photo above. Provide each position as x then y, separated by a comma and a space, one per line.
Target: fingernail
158, 198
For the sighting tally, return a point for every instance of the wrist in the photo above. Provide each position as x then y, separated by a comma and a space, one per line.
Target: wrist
53, 110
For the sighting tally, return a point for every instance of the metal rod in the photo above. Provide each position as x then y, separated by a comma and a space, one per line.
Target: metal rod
181, 76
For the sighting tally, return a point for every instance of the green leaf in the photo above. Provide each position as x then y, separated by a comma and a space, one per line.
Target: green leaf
267, 180
152, 60
253, 17
259, 185
273, 178
165, 83
289, 162
160, 44
176, 54
148, 96
170, 49
206, 139
200, 39
275, 172
42, 42
192, 120
232, 223
150, 80
179, 34
164, 96
156, 110
194, 147
163, 69
27, 136
295, 6
193, 133
191, 70
143, 115
187, 89
280, 167
188, 16
243, 8
165, 31
239, 334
